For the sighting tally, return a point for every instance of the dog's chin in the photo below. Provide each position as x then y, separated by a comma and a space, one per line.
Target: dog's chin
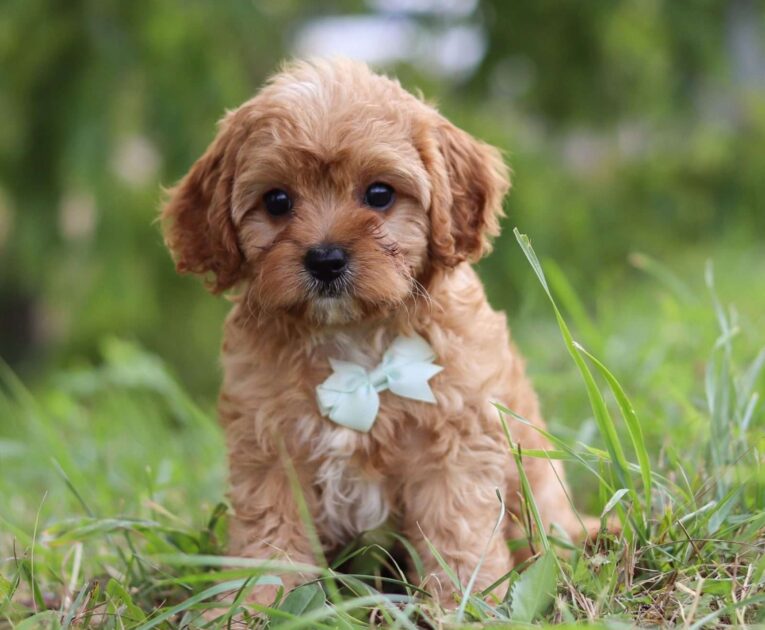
333, 309
337, 308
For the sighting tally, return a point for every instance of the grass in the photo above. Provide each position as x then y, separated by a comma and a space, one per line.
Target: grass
112, 480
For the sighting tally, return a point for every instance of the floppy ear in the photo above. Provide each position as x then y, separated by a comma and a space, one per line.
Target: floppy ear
470, 180
196, 218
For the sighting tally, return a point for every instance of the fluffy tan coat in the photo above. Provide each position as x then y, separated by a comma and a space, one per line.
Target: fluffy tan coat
323, 131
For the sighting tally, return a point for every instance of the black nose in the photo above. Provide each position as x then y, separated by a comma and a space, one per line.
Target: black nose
326, 263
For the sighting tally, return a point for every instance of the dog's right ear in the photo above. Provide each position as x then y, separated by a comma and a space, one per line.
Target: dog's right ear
196, 218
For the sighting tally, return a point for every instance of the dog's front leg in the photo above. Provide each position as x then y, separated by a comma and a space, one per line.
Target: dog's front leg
267, 523
454, 505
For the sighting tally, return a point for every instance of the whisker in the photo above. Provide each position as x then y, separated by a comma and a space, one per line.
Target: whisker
420, 290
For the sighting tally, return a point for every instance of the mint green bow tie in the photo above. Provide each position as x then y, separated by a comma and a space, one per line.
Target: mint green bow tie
350, 396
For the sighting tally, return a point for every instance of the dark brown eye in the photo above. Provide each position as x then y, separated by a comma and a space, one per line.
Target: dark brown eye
277, 202
379, 196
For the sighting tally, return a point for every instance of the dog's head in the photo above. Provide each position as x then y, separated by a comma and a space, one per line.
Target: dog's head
332, 195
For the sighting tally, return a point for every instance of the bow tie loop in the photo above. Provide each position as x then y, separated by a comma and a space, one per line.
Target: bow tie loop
350, 395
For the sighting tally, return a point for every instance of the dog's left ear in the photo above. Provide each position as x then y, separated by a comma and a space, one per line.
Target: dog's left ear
470, 179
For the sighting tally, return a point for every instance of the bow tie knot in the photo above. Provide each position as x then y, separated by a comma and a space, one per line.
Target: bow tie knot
350, 395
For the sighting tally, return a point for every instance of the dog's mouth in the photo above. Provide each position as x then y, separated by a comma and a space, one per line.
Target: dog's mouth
330, 302
338, 288
334, 289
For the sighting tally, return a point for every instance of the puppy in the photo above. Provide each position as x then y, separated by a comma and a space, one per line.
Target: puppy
361, 357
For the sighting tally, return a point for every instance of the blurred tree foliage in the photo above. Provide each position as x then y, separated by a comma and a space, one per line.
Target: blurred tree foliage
633, 124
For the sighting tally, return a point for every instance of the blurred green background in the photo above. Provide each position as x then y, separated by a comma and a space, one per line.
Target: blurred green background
631, 126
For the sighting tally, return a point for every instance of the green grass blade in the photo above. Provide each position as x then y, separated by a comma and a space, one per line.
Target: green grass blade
209, 593
533, 593
387, 601
611, 503
602, 416
726, 610
572, 304
78, 601
631, 420
255, 564
528, 495
556, 441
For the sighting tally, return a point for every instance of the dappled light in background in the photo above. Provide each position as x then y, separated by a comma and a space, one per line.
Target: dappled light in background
450, 50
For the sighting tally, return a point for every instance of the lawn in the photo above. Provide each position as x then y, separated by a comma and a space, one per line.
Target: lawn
112, 489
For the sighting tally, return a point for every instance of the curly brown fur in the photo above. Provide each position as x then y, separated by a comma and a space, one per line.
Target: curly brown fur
324, 131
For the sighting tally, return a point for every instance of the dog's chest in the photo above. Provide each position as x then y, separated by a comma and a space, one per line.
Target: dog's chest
352, 495
364, 347
352, 498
